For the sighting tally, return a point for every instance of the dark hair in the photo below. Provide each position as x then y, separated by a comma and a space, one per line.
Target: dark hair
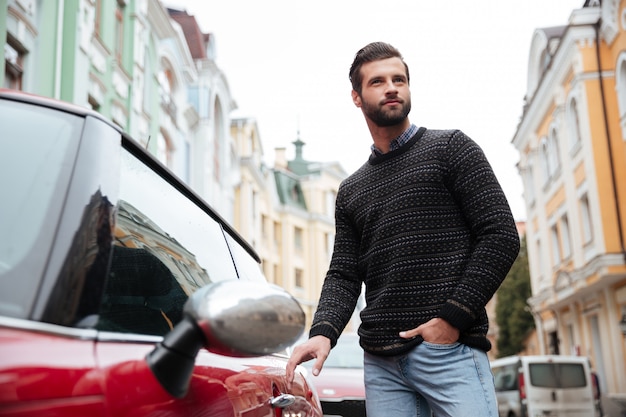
374, 51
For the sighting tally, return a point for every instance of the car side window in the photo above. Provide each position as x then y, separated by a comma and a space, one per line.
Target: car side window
505, 377
165, 248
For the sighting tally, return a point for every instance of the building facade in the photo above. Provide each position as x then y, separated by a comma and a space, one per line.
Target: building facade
148, 69
287, 213
572, 144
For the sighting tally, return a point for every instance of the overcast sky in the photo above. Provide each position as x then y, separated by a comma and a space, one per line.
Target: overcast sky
287, 64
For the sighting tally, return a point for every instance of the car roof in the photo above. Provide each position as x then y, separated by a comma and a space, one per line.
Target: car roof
539, 359
52, 103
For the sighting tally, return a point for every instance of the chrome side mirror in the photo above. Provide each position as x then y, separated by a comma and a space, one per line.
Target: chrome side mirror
232, 318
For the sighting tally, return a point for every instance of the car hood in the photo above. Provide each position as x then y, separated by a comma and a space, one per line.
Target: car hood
339, 383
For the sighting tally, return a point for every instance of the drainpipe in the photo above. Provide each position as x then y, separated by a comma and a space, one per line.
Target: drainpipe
608, 137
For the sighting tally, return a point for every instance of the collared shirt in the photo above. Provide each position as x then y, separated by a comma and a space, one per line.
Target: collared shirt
399, 141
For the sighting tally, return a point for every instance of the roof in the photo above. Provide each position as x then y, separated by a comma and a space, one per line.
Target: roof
196, 40
554, 31
289, 189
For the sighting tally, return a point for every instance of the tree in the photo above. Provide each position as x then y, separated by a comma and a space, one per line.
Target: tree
512, 311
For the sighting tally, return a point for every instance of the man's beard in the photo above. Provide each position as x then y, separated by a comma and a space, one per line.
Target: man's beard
384, 117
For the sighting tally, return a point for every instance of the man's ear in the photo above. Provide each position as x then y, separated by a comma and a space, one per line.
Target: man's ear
356, 99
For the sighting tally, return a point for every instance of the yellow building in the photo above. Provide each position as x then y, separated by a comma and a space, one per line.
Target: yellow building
287, 213
572, 144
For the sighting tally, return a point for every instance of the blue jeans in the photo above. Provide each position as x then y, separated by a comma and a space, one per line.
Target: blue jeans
452, 380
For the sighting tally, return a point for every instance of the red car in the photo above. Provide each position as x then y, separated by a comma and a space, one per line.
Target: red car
122, 293
340, 385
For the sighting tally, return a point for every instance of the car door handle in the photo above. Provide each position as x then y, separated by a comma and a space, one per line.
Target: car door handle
282, 401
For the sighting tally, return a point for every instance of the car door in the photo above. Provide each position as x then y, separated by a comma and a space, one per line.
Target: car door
65, 383
183, 247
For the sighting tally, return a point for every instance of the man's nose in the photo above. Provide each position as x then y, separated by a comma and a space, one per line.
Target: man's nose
390, 87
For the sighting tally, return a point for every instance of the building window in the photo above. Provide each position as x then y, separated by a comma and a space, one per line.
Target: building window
585, 216
277, 235
294, 192
565, 238
553, 343
264, 233
266, 269
254, 205
298, 239
541, 265
545, 160
14, 64
550, 158
93, 103
545, 61
554, 158
119, 29
166, 89
574, 126
331, 196
277, 277
573, 347
218, 130
164, 150
556, 249
299, 278
529, 183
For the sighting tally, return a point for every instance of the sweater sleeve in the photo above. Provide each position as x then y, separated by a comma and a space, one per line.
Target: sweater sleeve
342, 285
476, 190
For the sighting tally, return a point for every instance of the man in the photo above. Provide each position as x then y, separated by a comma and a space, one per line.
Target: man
426, 226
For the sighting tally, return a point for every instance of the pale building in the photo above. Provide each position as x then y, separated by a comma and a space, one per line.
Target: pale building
209, 150
318, 182
287, 213
572, 150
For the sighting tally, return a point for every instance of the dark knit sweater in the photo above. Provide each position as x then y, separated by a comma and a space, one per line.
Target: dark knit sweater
429, 231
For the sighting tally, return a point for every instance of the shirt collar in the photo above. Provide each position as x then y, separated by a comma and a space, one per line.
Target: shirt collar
399, 141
